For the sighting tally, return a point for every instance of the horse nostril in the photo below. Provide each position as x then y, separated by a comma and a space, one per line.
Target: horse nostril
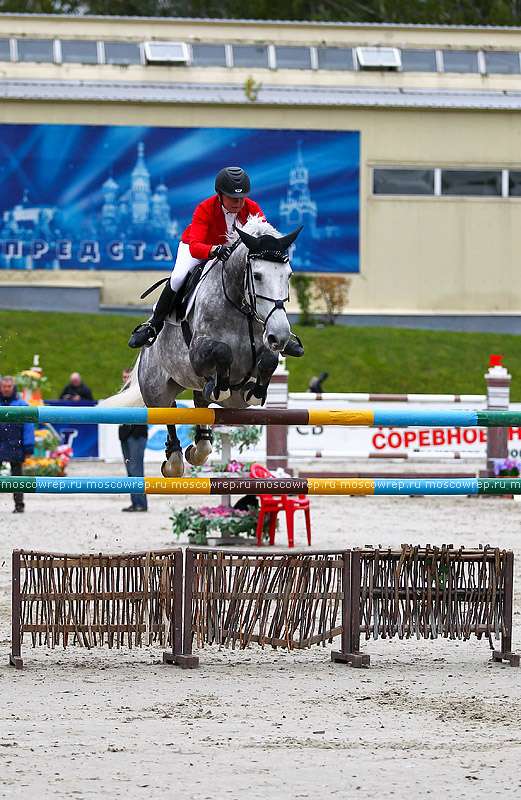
272, 340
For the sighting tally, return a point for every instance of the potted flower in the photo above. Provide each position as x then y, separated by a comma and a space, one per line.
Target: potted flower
218, 522
50, 457
507, 467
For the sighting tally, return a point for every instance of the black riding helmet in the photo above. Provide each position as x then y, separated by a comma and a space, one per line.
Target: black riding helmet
233, 182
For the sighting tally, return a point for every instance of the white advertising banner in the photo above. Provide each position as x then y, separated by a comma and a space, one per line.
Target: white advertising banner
341, 443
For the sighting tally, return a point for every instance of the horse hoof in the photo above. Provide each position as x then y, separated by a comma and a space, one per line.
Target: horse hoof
208, 390
253, 395
173, 469
197, 456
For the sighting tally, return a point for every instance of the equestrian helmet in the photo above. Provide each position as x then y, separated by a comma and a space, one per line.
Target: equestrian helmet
233, 182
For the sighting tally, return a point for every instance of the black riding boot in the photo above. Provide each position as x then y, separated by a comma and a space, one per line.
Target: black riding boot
147, 332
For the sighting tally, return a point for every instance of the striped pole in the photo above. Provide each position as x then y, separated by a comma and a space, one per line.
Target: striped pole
291, 486
264, 416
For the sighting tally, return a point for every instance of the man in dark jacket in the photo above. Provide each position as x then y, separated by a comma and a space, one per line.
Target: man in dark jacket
16, 440
76, 389
133, 440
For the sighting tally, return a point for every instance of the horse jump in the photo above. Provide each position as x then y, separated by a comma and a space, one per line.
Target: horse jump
261, 416
257, 486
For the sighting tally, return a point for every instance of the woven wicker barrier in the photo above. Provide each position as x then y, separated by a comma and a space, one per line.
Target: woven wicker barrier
291, 601
234, 598
119, 600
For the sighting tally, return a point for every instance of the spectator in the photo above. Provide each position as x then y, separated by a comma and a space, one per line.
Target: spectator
133, 440
315, 384
76, 389
16, 440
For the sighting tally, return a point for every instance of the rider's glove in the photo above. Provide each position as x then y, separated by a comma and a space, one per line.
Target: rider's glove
222, 252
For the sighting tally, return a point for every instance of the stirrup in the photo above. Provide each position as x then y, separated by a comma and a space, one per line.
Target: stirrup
143, 335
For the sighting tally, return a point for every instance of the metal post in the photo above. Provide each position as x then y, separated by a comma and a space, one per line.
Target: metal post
15, 657
506, 653
277, 435
498, 398
182, 627
350, 653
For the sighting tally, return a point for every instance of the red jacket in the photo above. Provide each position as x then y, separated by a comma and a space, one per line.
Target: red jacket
208, 225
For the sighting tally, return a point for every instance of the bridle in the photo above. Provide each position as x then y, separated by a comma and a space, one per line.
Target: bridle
248, 303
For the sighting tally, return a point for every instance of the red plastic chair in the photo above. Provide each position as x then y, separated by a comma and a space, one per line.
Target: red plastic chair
270, 504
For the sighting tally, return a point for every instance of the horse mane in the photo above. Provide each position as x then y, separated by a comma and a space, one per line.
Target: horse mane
256, 226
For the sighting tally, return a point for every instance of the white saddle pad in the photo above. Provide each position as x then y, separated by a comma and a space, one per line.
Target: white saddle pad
172, 320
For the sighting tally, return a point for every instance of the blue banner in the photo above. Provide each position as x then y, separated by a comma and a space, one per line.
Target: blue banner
82, 438
100, 197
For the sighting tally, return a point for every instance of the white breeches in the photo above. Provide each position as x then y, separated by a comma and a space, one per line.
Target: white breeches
184, 263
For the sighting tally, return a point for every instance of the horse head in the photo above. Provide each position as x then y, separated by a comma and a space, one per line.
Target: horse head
267, 283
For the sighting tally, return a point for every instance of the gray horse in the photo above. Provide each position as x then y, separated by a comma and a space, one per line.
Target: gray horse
228, 346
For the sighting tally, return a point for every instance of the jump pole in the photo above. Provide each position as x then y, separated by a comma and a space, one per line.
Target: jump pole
263, 416
291, 486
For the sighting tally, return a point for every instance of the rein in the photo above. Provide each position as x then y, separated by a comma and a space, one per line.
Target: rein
248, 305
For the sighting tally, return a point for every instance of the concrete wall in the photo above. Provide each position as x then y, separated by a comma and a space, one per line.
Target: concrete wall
417, 254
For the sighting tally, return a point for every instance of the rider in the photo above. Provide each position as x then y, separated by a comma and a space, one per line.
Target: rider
212, 223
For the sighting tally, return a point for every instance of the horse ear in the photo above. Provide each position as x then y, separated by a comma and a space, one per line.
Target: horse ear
249, 240
289, 238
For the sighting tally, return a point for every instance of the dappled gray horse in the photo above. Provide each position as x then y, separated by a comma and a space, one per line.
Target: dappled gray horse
228, 347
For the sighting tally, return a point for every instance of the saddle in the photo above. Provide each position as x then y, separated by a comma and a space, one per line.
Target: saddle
184, 293
181, 298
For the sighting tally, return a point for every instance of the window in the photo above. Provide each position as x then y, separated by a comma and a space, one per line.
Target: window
39, 50
514, 183
208, 55
79, 52
166, 52
460, 61
387, 180
293, 57
335, 58
250, 55
471, 182
418, 60
5, 51
501, 62
378, 57
122, 53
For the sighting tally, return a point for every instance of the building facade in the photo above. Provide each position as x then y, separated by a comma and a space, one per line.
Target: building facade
402, 154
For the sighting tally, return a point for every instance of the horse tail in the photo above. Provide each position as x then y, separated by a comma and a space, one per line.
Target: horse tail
129, 396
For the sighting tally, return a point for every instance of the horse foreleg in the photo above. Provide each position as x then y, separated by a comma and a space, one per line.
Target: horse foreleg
254, 392
174, 466
197, 454
212, 360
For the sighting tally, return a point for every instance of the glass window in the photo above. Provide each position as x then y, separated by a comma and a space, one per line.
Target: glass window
208, 55
122, 53
293, 57
250, 55
514, 183
501, 62
5, 52
380, 58
335, 58
460, 61
35, 50
79, 52
403, 181
166, 52
471, 182
418, 60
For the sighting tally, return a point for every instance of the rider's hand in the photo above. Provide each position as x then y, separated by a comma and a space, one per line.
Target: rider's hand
221, 252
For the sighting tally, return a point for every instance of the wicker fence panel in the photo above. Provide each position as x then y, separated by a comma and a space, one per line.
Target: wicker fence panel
431, 592
280, 600
92, 600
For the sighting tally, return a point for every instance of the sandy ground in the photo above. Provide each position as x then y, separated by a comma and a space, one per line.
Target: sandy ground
426, 719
